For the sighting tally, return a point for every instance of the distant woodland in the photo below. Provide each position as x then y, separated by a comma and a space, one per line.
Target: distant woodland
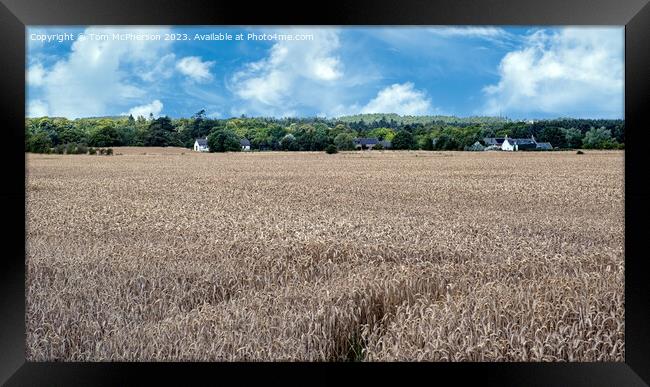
49, 134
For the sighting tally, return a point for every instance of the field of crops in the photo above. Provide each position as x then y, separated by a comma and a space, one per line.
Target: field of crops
166, 254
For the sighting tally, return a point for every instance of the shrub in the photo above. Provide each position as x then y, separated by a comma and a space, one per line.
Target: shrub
331, 149
378, 146
92, 151
109, 151
82, 149
59, 149
580, 152
70, 148
102, 151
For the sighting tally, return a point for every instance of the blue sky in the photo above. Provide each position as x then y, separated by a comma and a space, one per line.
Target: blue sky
519, 72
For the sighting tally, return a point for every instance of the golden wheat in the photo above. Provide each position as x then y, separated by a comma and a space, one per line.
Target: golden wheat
166, 254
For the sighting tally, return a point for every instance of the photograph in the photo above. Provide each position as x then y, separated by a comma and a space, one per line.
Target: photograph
331, 193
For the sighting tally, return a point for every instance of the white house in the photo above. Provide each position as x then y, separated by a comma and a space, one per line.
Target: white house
245, 145
515, 144
507, 146
201, 145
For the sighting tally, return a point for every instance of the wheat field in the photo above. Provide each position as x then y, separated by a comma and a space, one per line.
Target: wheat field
166, 254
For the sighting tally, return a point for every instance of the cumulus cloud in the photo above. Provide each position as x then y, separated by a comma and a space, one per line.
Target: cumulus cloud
37, 108
402, 99
155, 107
90, 80
293, 71
575, 71
194, 68
35, 75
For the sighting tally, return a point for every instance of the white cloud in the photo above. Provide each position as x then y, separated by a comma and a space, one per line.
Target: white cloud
576, 71
295, 72
402, 99
35, 75
154, 108
195, 68
480, 32
91, 81
163, 69
37, 108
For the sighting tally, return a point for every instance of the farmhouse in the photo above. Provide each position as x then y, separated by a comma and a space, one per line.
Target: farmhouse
369, 143
245, 144
201, 145
515, 144
365, 143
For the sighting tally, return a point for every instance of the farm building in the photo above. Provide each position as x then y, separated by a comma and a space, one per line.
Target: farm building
365, 143
476, 147
245, 144
201, 145
493, 141
515, 144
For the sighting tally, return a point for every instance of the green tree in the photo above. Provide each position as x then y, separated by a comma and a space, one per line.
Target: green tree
573, 138
446, 142
556, 136
403, 140
382, 134
289, 143
40, 142
223, 140
344, 141
161, 133
104, 136
600, 138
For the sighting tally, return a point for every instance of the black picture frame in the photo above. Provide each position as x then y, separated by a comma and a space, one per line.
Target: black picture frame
635, 15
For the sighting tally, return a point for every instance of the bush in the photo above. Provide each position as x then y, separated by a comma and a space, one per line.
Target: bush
102, 151
70, 148
109, 151
82, 149
580, 152
92, 151
59, 149
331, 149
378, 146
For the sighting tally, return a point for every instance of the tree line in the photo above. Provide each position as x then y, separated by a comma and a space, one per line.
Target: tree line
45, 134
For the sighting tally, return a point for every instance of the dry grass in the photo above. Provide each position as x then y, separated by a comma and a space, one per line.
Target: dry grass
307, 256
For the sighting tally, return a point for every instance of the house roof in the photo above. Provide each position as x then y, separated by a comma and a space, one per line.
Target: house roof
493, 140
202, 141
544, 145
244, 142
521, 141
366, 141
